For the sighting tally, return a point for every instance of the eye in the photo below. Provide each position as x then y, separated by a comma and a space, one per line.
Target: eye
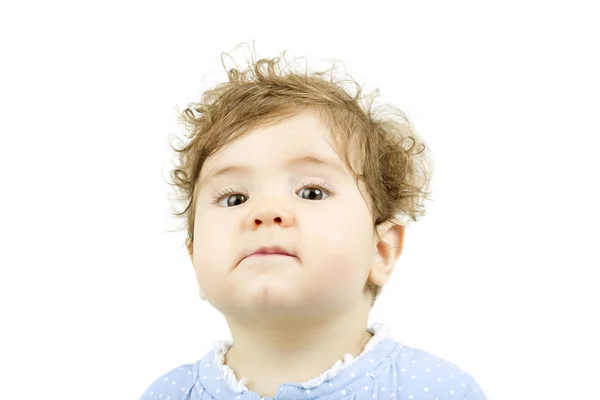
229, 198
314, 191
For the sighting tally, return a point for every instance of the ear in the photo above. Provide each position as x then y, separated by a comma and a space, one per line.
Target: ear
190, 249
387, 251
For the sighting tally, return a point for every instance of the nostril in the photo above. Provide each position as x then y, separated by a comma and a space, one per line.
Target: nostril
277, 220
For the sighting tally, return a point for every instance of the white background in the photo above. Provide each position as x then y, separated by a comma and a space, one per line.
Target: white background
500, 277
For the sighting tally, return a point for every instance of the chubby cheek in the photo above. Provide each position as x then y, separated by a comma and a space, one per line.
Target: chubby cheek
213, 253
340, 252
338, 274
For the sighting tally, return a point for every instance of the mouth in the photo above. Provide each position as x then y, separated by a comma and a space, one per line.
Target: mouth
273, 251
269, 254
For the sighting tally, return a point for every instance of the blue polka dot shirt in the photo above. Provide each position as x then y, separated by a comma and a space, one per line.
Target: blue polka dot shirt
386, 370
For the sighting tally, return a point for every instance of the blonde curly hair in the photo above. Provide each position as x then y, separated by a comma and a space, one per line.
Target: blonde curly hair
394, 165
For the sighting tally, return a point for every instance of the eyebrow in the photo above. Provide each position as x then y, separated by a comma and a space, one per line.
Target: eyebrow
304, 160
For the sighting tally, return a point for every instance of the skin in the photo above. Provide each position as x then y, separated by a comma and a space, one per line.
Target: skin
283, 311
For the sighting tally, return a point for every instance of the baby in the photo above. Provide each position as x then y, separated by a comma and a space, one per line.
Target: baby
297, 197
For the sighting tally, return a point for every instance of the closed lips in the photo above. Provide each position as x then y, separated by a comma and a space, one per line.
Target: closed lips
270, 250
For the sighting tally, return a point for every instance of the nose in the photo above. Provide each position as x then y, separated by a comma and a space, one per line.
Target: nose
270, 213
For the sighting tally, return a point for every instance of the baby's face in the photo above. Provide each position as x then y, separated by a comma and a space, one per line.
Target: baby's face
275, 194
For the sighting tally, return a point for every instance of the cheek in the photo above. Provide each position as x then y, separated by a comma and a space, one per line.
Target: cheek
348, 226
342, 246
210, 251
338, 273
213, 242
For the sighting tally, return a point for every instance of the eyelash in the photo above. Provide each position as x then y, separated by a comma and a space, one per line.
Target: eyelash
217, 197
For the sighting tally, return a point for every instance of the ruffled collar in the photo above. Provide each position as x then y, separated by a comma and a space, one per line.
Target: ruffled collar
380, 331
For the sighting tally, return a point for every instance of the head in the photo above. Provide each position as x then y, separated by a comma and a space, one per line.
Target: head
290, 159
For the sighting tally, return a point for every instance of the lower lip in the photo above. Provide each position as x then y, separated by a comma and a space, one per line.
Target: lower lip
269, 254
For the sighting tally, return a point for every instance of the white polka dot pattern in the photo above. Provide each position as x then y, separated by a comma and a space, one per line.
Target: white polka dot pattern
389, 370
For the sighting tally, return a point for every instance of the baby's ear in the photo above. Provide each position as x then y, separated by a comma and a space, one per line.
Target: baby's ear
190, 249
387, 252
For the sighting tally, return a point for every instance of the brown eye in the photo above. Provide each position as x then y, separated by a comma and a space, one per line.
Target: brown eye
235, 200
312, 193
229, 198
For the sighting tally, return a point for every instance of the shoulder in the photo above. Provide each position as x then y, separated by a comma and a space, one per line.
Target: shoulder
422, 373
175, 384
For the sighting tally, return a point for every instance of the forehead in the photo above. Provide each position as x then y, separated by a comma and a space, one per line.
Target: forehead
301, 135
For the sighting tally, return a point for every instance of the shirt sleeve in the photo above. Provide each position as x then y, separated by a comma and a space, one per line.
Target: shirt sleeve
473, 390
174, 385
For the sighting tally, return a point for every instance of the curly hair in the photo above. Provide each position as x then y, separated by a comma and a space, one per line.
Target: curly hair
393, 163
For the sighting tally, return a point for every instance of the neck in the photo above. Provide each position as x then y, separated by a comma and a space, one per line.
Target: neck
268, 357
